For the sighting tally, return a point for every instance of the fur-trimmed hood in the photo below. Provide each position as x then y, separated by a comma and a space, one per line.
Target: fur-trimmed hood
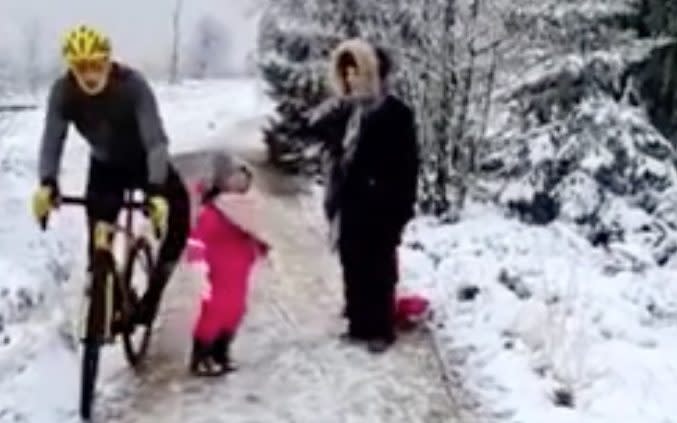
367, 66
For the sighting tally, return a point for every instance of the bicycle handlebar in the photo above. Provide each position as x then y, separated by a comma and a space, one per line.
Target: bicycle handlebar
81, 201
84, 202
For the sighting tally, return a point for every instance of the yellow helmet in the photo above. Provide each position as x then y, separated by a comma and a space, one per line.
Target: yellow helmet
85, 43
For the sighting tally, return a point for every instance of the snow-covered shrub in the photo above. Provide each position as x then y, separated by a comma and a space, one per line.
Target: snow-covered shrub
548, 333
604, 168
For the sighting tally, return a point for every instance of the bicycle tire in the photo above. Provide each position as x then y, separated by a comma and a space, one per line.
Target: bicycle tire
90, 368
136, 352
96, 330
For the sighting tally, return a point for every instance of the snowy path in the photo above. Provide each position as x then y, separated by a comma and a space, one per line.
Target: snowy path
292, 366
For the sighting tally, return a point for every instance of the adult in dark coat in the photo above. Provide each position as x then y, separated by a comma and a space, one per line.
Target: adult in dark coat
372, 182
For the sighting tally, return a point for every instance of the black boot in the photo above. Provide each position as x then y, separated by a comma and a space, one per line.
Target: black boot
221, 351
197, 356
202, 362
381, 341
379, 345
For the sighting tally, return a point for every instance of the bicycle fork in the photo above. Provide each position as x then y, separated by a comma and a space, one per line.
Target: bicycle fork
97, 308
97, 327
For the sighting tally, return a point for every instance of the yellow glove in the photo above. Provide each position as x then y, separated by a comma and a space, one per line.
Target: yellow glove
42, 203
158, 211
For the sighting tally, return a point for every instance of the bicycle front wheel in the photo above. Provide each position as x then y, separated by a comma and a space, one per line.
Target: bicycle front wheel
98, 326
135, 281
90, 368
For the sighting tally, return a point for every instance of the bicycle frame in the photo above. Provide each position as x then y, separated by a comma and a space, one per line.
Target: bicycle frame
103, 229
103, 238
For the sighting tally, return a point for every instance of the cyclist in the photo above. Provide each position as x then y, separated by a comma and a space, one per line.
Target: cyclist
114, 109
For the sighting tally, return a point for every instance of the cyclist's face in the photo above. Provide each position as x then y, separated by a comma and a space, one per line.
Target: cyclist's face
92, 75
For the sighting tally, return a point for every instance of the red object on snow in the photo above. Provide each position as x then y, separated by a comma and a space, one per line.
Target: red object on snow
410, 310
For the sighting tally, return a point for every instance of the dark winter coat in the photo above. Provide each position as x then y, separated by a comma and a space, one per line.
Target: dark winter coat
372, 180
378, 192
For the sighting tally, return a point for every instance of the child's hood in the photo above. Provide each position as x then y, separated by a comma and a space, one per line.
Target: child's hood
245, 210
222, 166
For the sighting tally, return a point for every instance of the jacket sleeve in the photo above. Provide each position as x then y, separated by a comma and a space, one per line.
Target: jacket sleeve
201, 237
196, 247
152, 132
53, 135
327, 121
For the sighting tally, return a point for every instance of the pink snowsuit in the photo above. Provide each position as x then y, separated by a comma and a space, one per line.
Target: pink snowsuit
230, 253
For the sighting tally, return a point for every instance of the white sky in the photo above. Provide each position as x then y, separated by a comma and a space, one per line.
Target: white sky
140, 29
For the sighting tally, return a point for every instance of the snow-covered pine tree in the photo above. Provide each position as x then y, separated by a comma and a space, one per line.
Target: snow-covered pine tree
296, 38
287, 56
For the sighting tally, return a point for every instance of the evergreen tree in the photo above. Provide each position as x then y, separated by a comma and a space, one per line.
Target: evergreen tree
287, 56
294, 44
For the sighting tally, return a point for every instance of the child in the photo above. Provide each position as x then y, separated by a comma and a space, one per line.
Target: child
227, 239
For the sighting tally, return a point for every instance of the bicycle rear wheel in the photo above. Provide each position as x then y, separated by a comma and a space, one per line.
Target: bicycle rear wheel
135, 281
97, 328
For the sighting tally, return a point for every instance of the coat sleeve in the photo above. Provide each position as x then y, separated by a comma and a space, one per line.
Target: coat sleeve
152, 132
328, 121
201, 236
53, 135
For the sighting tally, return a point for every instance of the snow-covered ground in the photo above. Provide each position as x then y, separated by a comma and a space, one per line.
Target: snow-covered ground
532, 323
535, 325
41, 270
292, 366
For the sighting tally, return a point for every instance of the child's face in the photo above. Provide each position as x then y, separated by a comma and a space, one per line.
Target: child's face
239, 181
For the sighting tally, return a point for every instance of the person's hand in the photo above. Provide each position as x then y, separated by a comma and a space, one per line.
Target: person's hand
44, 201
158, 212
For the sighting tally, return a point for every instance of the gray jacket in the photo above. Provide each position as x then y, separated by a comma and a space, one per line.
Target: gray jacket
122, 125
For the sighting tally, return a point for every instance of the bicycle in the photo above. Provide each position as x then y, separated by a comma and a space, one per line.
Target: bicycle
111, 295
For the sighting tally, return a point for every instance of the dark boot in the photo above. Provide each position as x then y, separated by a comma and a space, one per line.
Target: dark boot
202, 362
197, 355
380, 345
221, 351
352, 338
